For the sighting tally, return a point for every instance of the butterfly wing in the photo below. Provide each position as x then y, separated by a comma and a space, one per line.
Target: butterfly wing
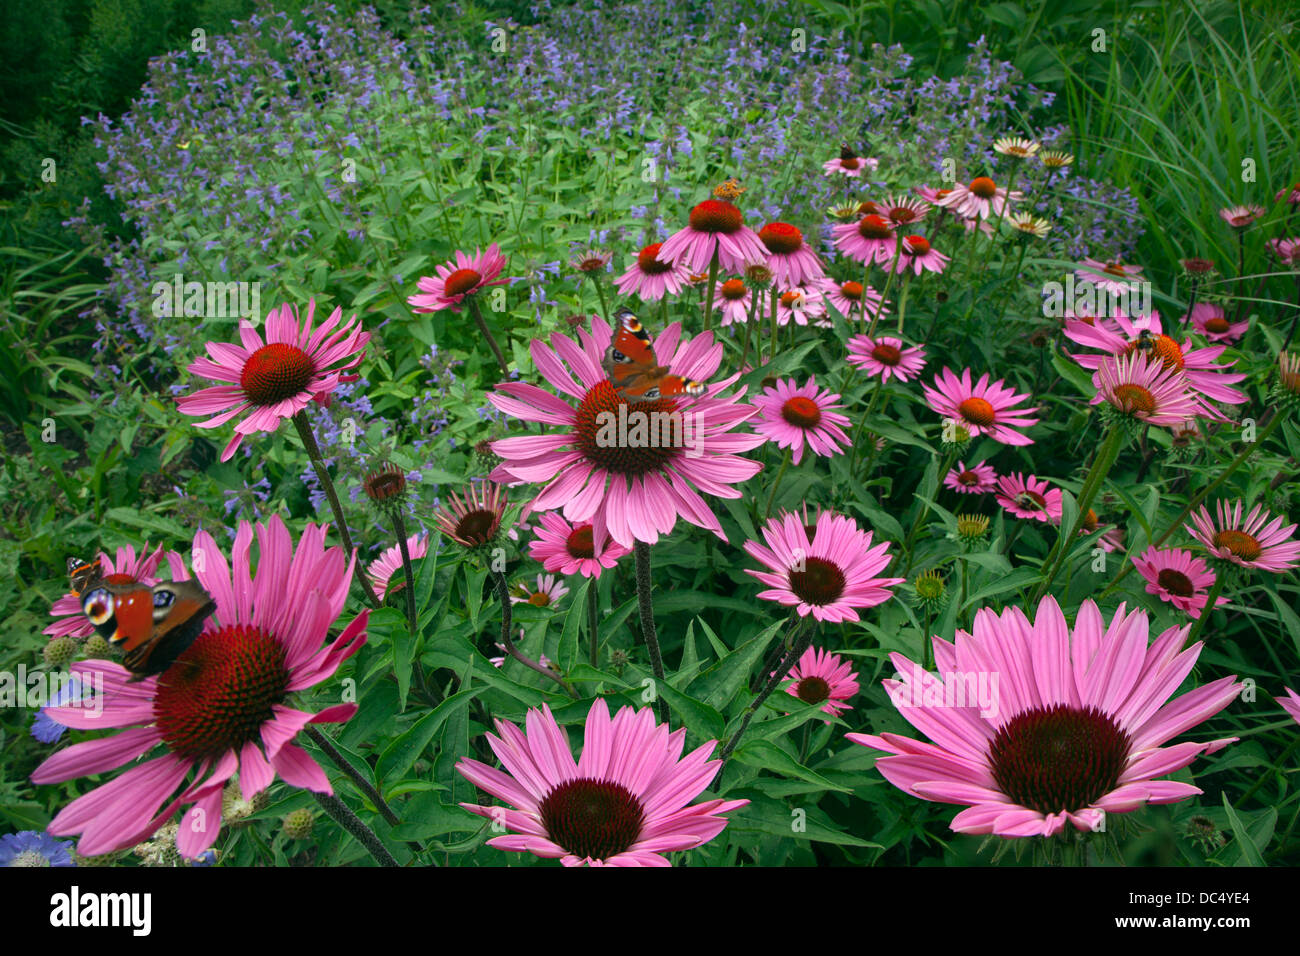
633, 368
152, 625
83, 574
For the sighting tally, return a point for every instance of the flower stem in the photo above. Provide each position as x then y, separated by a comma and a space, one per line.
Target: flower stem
503, 595
775, 298
487, 334
327, 746
884, 296
1106, 456
342, 814
327, 485
600, 292
593, 623
923, 509
771, 499
1211, 602
399, 524
713, 278
800, 640
862, 424
646, 607
902, 302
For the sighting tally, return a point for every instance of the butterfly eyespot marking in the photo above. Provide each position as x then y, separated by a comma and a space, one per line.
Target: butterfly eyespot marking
98, 606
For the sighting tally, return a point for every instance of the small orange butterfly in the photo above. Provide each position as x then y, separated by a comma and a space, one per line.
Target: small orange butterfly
633, 369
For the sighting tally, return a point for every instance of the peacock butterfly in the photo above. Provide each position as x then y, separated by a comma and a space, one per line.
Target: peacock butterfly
633, 369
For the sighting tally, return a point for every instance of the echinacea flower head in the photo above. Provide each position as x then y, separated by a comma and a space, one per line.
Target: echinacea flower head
820, 677
1028, 496
389, 563
639, 483
1287, 251
1208, 380
1030, 225
1114, 277
585, 549
826, 569
1291, 704
870, 239
385, 485
1076, 728
1209, 319
971, 531
976, 480
980, 199
275, 379
734, 300
454, 282
548, 592
1176, 576
791, 259
903, 210
1055, 158
1142, 388
650, 277
474, 520
1016, 147
1250, 541
916, 253
799, 304
984, 408
590, 261
886, 357
626, 800
715, 226
225, 707
795, 415
849, 163
1239, 217
1286, 388
29, 848
125, 567
847, 298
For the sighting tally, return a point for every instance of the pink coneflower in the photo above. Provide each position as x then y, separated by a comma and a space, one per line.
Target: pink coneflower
626, 801
1209, 320
388, 563
734, 300
126, 568
1291, 704
1251, 542
584, 549
455, 281
1239, 217
792, 416
981, 199
819, 677
278, 378
886, 357
1142, 387
870, 239
1286, 250
917, 254
650, 277
1290, 193
1177, 577
225, 707
639, 487
1123, 336
827, 576
985, 408
590, 261
474, 520
548, 592
976, 480
1076, 726
846, 297
715, 226
849, 163
1113, 277
904, 210
799, 304
791, 260
1027, 496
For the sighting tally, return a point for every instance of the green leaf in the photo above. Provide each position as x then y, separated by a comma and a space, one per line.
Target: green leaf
700, 719
402, 753
568, 653
717, 685
1250, 852
801, 823
768, 756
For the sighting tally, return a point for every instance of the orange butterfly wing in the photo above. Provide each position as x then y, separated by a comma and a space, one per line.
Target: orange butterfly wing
633, 369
